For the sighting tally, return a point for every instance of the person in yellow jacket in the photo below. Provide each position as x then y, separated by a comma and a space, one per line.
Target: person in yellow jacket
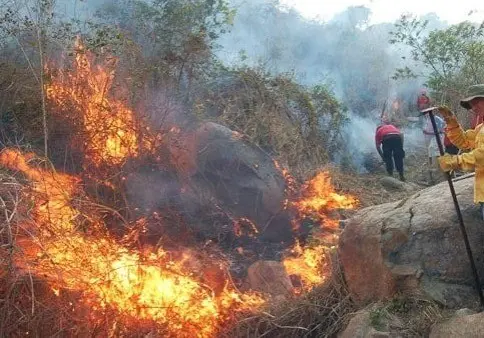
472, 140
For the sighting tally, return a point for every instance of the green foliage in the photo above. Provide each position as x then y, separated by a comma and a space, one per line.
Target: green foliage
378, 318
450, 59
177, 36
399, 304
164, 43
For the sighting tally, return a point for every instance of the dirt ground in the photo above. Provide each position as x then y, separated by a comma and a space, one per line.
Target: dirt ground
367, 186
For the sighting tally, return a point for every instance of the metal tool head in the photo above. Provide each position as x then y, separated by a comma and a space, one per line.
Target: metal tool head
428, 110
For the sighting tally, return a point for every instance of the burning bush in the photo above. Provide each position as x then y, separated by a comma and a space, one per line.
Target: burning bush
301, 125
118, 283
139, 285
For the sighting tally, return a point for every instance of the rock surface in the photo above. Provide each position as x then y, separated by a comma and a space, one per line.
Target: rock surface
415, 247
360, 327
391, 183
471, 326
242, 178
215, 173
269, 277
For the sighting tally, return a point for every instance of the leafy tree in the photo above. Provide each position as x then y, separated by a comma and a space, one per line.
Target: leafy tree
450, 59
177, 36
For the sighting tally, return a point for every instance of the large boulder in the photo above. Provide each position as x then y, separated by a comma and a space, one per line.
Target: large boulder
415, 247
215, 178
242, 178
460, 326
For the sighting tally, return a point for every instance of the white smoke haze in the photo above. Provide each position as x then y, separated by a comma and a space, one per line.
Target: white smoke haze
360, 135
347, 53
79, 9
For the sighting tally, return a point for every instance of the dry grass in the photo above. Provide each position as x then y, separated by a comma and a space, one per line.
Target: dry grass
278, 115
406, 317
368, 188
321, 313
28, 305
23, 297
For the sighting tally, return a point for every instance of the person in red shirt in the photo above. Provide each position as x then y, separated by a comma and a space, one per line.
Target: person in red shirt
389, 144
423, 101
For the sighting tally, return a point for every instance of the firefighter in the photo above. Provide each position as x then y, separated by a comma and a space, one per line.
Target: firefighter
389, 144
450, 148
472, 139
429, 137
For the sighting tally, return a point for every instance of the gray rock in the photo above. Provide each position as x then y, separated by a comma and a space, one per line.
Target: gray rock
392, 183
471, 326
414, 247
360, 327
464, 312
216, 172
241, 178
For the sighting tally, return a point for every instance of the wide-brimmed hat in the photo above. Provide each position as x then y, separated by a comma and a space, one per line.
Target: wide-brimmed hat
472, 93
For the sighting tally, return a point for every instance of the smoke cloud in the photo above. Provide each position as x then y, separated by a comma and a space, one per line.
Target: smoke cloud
354, 58
346, 53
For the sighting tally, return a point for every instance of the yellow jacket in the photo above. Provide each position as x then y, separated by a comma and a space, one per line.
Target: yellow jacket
473, 140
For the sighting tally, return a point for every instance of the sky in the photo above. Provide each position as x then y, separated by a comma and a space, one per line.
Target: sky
452, 11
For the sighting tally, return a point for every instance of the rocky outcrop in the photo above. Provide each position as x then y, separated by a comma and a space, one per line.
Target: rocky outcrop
469, 326
242, 178
392, 184
414, 247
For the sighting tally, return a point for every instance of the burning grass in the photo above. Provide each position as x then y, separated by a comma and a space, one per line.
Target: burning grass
109, 131
137, 286
64, 272
75, 271
323, 312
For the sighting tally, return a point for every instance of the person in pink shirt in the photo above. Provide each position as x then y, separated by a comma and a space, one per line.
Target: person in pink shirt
389, 144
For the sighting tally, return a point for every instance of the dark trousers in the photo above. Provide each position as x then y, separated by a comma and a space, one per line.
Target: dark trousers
392, 147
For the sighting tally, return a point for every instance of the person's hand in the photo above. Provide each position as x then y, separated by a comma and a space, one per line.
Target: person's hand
445, 112
448, 162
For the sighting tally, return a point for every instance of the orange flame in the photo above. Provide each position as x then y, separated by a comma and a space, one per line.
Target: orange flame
110, 132
320, 198
145, 284
244, 226
307, 264
318, 202
142, 285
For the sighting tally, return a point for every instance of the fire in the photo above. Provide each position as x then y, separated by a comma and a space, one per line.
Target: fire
320, 198
291, 186
245, 226
139, 284
307, 264
109, 130
71, 248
